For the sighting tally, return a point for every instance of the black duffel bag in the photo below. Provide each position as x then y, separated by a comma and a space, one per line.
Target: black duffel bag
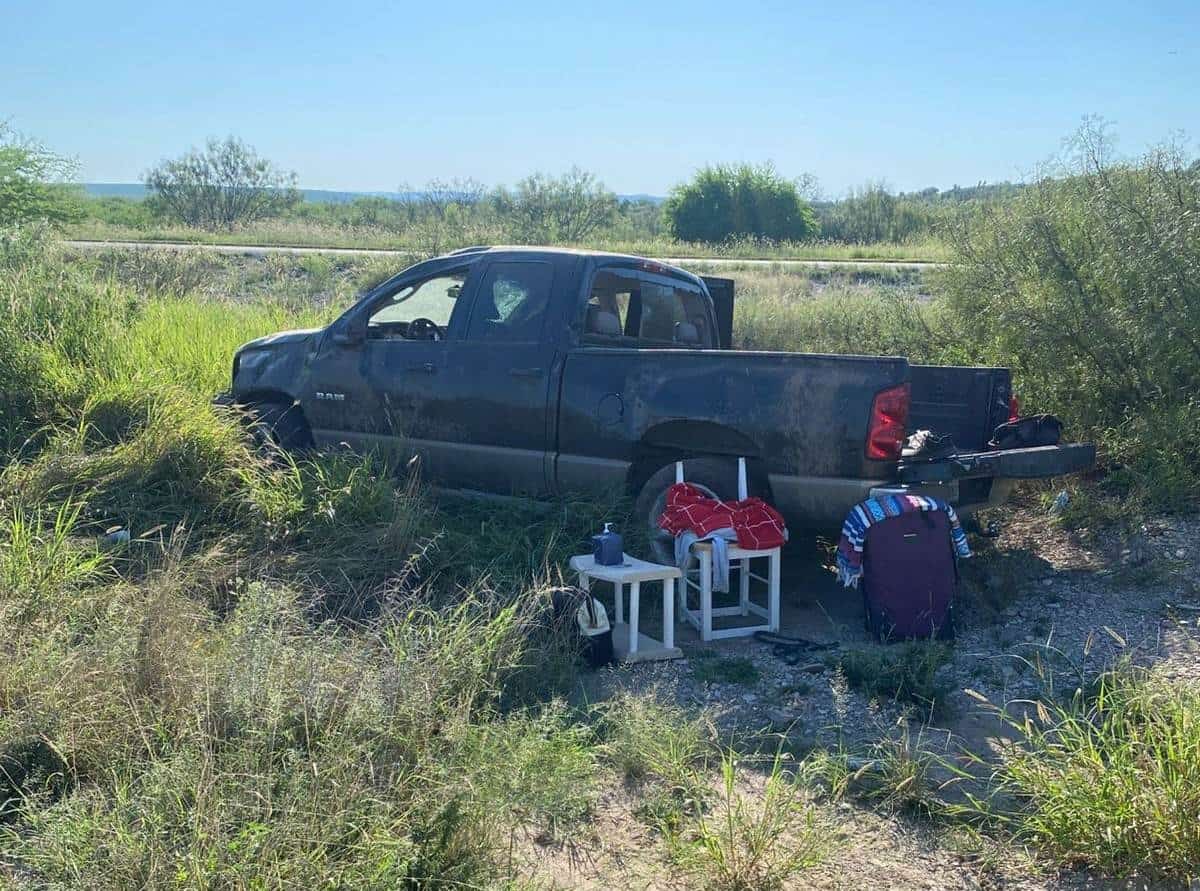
1026, 433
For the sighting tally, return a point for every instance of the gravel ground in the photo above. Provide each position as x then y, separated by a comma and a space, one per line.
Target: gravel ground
1034, 595
1039, 604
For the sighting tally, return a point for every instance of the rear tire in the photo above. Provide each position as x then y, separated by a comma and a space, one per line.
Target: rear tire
714, 476
278, 426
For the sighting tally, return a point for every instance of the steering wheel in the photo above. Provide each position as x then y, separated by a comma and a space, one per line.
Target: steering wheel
424, 329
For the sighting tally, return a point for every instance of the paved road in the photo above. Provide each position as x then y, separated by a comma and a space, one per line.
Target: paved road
255, 250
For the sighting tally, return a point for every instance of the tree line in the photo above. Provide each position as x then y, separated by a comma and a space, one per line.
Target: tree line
227, 184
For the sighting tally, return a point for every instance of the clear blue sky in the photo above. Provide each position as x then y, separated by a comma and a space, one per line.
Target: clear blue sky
366, 96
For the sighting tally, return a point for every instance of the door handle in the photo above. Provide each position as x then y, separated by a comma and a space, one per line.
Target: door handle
427, 367
525, 372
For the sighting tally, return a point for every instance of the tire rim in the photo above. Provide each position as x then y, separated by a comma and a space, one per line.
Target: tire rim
663, 543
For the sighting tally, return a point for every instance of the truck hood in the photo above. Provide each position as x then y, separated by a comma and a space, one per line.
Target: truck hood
281, 338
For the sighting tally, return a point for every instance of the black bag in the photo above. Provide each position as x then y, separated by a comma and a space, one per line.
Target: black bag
910, 576
1026, 433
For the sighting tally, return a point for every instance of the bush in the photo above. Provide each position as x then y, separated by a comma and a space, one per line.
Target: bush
30, 184
225, 185
872, 213
1085, 283
903, 672
723, 202
556, 210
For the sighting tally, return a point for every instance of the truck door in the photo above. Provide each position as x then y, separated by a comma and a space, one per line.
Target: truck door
490, 416
377, 383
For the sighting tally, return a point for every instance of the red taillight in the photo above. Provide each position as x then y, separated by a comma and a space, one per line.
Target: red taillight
1014, 407
889, 414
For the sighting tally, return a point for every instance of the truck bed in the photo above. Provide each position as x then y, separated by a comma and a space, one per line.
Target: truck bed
801, 414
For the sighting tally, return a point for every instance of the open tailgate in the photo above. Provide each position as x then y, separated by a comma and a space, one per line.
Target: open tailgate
1032, 463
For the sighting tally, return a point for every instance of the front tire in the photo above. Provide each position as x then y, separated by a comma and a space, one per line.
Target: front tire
278, 426
716, 477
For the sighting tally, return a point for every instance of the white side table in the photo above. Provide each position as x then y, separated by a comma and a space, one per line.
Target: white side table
635, 647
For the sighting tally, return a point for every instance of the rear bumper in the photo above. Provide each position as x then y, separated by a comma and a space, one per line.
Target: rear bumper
1034, 463
820, 504
968, 482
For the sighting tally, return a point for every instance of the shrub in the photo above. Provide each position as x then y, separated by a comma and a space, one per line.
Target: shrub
1085, 283
225, 185
548, 210
30, 184
872, 214
725, 201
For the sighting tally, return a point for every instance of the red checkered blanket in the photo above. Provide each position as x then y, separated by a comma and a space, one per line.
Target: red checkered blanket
758, 526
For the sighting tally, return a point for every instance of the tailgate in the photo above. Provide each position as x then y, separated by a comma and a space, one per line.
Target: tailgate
1033, 463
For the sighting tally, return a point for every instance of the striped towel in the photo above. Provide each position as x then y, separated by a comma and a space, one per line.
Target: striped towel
874, 510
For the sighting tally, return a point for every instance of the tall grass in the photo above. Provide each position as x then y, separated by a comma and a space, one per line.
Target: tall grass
750, 842
272, 683
1108, 777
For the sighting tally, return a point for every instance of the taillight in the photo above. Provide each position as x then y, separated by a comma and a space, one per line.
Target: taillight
1014, 407
889, 415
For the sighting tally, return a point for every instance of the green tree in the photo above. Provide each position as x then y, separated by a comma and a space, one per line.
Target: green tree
226, 185
31, 187
871, 213
724, 201
556, 209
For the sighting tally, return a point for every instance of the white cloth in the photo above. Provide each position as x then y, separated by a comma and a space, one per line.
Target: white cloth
720, 539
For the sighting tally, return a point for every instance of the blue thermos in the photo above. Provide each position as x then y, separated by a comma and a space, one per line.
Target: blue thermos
609, 549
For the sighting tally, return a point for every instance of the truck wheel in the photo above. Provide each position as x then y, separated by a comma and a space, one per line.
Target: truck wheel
278, 426
713, 476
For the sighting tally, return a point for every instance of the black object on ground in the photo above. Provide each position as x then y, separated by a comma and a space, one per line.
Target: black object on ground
794, 650
774, 637
577, 609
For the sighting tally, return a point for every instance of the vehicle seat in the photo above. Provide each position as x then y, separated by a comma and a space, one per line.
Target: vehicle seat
687, 333
604, 324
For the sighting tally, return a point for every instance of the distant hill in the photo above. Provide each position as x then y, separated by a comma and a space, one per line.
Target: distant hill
137, 191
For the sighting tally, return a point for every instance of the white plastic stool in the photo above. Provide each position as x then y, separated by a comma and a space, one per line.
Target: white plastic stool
702, 619
632, 572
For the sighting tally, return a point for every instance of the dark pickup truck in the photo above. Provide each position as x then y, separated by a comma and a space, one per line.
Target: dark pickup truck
537, 371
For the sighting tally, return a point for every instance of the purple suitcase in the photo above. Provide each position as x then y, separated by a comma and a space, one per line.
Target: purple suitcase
910, 576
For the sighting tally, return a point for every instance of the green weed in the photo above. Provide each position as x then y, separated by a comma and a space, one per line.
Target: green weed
902, 672
754, 840
1110, 777
710, 668
662, 750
